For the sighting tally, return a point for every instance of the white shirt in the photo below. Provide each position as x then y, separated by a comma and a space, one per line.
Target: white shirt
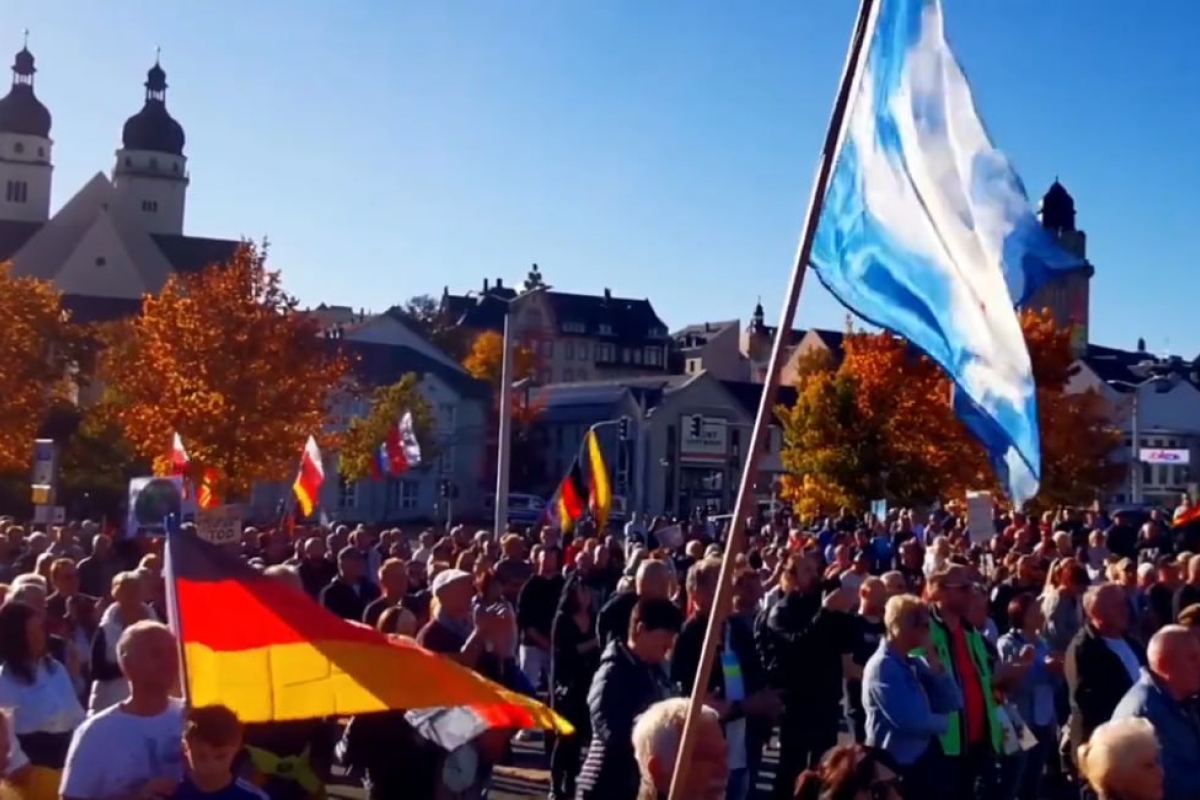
48, 705
149, 747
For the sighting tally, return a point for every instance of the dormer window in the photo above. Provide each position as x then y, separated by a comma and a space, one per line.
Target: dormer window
606, 329
574, 327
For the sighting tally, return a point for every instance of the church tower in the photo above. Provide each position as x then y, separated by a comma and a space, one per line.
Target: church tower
25, 167
1068, 295
151, 171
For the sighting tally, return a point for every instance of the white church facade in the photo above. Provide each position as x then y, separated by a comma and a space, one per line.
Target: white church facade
121, 235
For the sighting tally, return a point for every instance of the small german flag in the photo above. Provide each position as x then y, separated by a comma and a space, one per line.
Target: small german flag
572, 497
1186, 516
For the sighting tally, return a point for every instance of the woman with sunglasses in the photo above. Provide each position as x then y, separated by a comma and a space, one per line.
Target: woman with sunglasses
852, 772
908, 699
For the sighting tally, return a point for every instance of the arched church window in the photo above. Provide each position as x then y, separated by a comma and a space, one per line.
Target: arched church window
19, 148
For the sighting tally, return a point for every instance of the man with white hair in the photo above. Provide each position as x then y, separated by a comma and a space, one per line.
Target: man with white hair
656, 739
1162, 696
133, 749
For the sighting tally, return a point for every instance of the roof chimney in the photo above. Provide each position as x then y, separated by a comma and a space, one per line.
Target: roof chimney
1141, 345
607, 294
485, 285
499, 283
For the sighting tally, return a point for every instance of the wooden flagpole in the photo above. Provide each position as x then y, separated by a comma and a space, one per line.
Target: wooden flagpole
851, 76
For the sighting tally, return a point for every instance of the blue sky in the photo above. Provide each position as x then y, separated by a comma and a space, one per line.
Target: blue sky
664, 149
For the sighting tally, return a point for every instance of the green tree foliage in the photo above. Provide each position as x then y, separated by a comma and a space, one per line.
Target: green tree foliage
364, 435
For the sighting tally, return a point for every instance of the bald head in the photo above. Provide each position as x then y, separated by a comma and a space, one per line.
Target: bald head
1173, 655
653, 578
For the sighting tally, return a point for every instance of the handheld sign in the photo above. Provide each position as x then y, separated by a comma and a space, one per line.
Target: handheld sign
220, 525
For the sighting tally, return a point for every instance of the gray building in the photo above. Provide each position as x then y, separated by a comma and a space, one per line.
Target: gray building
688, 437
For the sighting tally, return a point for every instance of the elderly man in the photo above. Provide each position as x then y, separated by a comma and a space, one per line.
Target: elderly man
150, 718
653, 581
656, 738
1161, 696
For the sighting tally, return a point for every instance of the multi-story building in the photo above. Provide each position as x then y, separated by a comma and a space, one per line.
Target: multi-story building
576, 337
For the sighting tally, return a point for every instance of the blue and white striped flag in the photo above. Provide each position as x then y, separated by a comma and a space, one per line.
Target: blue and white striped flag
926, 230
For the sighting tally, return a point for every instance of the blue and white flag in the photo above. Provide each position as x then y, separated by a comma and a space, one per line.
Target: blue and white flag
926, 230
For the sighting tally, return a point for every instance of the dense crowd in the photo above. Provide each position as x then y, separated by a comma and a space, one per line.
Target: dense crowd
1048, 658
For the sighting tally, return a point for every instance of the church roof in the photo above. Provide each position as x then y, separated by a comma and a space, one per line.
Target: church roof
20, 110
153, 128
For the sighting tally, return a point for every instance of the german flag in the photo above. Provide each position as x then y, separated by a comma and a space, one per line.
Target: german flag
600, 491
206, 497
270, 653
572, 497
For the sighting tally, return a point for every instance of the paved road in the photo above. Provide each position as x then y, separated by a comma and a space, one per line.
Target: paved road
528, 775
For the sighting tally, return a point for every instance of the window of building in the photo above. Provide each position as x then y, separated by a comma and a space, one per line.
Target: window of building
605, 329
446, 416
41, 152
446, 460
654, 356
568, 375
625, 355
574, 327
568, 349
128, 161
606, 352
583, 351
547, 348
347, 493
16, 191
402, 494
150, 206
637, 356
19, 147
154, 163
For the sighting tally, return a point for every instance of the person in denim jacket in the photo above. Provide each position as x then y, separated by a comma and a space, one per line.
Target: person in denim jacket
907, 698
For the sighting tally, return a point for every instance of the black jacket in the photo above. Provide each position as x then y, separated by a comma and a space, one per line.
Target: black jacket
346, 601
623, 688
1097, 680
613, 622
801, 646
685, 664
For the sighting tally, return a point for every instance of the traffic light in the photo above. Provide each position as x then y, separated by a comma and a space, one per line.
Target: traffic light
623, 427
444, 488
697, 426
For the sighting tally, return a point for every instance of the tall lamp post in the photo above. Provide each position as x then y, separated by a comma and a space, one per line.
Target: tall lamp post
504, 438
1162, 374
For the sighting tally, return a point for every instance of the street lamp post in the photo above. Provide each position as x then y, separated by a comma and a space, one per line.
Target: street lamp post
504, 436
1163, 374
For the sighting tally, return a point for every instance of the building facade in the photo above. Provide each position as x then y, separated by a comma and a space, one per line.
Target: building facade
118, 237
1067, 295
575, 337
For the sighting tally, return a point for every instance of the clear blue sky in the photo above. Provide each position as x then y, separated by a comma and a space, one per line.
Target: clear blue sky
664, 149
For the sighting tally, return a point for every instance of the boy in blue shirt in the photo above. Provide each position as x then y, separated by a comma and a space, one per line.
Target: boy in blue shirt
212, 739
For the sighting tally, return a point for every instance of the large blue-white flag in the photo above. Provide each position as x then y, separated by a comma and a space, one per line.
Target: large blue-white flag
926, 230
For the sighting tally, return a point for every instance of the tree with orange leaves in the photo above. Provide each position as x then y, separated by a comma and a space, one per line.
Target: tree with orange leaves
881, 425
39, 360
222, 357
485, 361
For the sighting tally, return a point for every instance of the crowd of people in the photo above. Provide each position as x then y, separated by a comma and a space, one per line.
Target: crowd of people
1050, 658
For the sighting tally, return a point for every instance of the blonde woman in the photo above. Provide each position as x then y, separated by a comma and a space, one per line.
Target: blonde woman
109, 686
1120, 761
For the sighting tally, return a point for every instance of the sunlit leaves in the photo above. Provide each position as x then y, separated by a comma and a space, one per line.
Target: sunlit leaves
222, 357
360, 443
485, 360
40, 353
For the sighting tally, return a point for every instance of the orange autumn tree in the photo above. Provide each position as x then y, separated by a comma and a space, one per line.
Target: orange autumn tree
39, 360
900, 439
222, 357
1077, 432
485, 361
872, 427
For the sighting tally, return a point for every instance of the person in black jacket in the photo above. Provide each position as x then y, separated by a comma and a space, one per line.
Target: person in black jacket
631, 678
653, 581
801, 640
574, 658
737, 685
348, 594
1102, 661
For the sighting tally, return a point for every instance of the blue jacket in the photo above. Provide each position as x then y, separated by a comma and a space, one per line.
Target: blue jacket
907, 703
1178, 735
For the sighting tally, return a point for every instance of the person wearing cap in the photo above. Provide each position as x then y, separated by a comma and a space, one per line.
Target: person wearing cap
483, 640
348, 594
